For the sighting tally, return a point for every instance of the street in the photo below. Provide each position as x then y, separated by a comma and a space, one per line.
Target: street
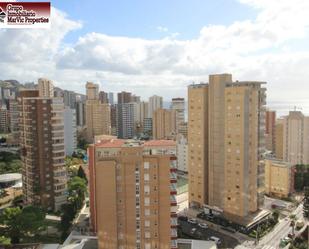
205, 234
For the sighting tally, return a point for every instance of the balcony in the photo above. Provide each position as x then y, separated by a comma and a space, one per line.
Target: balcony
173, 233
173, 177
173, 189
174, 222
173, 200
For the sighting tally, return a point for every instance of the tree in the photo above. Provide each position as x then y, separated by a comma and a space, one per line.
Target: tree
292, 224
67, 215
275, 216
21, 222
306, 207
82, 144
81, 174
10, 219
77, 188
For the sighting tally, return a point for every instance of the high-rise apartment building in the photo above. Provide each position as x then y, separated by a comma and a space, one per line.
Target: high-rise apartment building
270, 132
14, 120
296, 138
46, 88
178, 104
138, 181
69, 98
124, 97
164, 124
155, 102
92, 91
42, 150
80, 113
98, 118
126, 116
111, 98
225, 145
279, 139
70, 131
114, 120
135, 98
103, 97
147, 126
198, 144
182, 153
4, 119
183, 129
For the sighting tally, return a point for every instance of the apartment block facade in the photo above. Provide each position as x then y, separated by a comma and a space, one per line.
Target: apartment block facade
226, 127
270, 132
155, 102
296, 138
132, 194
164, 124
46, 88
178, 104
279, 178
42, 150
98, 116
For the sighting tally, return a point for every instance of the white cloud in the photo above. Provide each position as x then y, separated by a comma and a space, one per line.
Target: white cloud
257, 49
162, 29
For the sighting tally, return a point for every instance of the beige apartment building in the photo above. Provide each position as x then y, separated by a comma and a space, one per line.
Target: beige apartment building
270, 136
42, 150
279, 139
98, 116
226, 129
46, 88
132, 194
164, 124
178, 104
296, 138
279, 179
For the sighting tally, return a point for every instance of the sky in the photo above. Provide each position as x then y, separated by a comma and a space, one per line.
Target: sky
160, 47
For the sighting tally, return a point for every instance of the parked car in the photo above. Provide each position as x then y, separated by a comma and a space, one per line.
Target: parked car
193, 230
203, 225
215, 239
192, 221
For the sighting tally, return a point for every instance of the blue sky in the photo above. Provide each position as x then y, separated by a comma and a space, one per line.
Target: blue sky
140, 18
159, 47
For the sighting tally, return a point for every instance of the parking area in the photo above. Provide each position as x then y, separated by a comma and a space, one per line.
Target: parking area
199, 232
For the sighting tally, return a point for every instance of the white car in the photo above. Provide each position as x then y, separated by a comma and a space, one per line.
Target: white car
202, 225
192, 221
215, 239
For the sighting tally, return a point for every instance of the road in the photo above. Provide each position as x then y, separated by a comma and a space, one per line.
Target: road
205, 234
272, 240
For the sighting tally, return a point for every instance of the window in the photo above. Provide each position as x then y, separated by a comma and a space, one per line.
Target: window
147, 235
147, 223
146, 177
146, 165
147, 189
147, 212
147, 201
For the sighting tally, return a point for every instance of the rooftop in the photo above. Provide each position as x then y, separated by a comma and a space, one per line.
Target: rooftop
10, 177
118, 143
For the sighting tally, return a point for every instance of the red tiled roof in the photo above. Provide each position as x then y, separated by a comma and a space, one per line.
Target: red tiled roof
160, 143
111, 143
